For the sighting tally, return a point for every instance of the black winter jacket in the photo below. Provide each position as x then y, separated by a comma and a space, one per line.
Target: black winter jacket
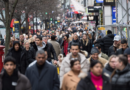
108, 70
87, 84
88, 47
112, 51
107, 42
50, 51
121, 79
22, 65
30, 55
120, 51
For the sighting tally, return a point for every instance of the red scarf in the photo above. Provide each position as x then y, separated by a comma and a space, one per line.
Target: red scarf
65, 47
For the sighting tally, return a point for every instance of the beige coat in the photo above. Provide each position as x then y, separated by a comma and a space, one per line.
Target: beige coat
102, 60
65, 65
56, 47
70, 81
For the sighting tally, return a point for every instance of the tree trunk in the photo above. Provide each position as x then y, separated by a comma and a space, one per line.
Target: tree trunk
27, 24
8, 21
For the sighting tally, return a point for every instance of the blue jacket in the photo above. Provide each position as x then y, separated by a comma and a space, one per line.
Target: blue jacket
47, 80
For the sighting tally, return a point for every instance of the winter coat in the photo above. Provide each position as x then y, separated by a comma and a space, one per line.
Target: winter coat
65, 65
22, 84
103, 55
88, 47
50, 51
30, 56
87, 84
107, 42
100, 42
121, 79
111, 51
22, 65
70, 81
56, 47
102, 60
120, 51
73, 41
47, 80
108, 70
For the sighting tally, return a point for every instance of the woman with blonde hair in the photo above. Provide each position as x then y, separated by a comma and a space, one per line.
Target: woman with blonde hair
29, 53
110, 66
86, 43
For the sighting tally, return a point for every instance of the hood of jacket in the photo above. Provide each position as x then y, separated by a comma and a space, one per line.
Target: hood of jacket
14, 43
110, 35
43, 45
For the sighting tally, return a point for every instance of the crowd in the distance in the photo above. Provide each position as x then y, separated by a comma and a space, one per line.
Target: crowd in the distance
67, 58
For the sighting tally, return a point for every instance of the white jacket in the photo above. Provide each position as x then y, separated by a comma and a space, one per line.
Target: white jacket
65, 65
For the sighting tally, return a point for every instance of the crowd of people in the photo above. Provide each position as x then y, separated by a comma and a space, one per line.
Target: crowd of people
66, 58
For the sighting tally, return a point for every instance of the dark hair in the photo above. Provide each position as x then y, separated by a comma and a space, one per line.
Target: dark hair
94, 62
9, 59
123, 41
53, 37
123, 59
109, 32
39, 37
72, 62
75, 44
97, 45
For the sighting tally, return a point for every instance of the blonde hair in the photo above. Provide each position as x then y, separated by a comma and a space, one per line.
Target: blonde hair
112, 56
87, 40
26, 41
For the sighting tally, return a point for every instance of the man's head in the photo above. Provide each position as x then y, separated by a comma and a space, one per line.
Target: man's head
127, 53
124, 44
98, 46
109, 32
94, 53
74, 49
40, 57
38, 40
80, 32
117, 40
9, 64
16, 45
45, 39
53, 37
38, 33
21, 38
75, 37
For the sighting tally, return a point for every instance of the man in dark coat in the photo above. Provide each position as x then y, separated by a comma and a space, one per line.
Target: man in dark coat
50, 50
11, 79
124, 45
17, 53
75, 40
116, 46
42, 75
107, 41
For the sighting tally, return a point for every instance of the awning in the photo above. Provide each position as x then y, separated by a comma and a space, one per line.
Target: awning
77, 6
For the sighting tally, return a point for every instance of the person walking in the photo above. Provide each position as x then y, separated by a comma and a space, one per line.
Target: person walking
86, 43
111, 66
11, 78
17, 53
71, 79
95, 80
55, 45
65, 65
94, 56
120, 79
42, 75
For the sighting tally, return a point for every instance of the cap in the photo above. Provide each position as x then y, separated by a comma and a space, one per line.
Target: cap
117, 38
127, 51
94, 50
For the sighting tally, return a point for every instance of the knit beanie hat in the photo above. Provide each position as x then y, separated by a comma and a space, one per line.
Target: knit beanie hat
127, 51
94, 50
9, 59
